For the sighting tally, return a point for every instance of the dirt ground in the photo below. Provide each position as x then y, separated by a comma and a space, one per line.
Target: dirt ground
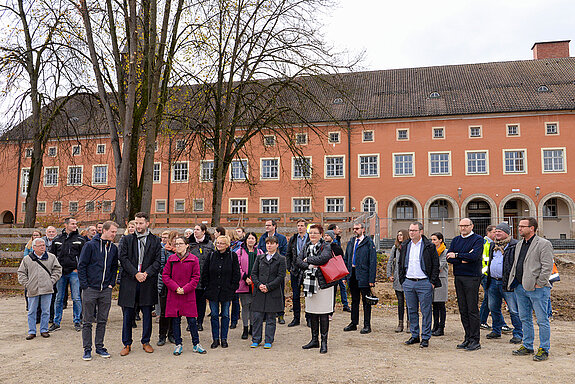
379, 357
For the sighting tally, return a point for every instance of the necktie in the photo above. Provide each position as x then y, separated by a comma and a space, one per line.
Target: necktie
141, 253
354, 249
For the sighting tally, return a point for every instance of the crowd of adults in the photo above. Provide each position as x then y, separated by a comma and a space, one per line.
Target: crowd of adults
241, 276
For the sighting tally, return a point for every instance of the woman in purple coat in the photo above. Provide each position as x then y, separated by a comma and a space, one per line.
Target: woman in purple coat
181, 276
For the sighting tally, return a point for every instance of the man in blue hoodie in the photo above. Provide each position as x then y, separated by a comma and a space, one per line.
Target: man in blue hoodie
97, 270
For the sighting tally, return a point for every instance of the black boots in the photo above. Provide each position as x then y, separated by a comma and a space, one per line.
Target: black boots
314, 325
245, 333
324, 326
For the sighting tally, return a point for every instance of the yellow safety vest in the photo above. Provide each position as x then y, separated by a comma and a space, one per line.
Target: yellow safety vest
485, 261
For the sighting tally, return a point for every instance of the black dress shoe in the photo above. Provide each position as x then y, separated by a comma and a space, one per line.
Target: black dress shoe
346, 309
473, 346
293, 323
412, 340
200, 327
463, 345
215, 344
350, 327
493, 335
437, 332
233, 325
224, 343
366, 329
424, 344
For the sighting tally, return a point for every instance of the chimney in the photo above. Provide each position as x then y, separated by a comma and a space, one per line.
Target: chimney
550, 49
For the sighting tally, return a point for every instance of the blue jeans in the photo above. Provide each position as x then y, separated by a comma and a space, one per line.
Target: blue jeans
235, 309
419, 294
192, 325
44, 302
527, 302
218, 333
72, 278
511, 300
495, 294
129, 315
484, 310
343, 293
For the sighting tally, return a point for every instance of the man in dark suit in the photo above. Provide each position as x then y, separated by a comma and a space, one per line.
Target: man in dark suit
419, 276
361, 261
140, 259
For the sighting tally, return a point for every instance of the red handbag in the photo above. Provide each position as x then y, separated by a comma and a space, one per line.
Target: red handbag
334, 269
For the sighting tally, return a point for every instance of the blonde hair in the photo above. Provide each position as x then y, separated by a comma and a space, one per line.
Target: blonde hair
132, 222
226, 239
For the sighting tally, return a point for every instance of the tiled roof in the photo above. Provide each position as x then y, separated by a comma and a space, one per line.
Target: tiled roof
487, 88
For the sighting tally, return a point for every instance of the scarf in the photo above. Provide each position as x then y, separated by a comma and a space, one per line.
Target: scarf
142, 237
310, 284
441, 248
500, 245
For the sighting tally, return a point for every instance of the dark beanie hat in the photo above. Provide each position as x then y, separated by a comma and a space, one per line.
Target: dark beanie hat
504, 227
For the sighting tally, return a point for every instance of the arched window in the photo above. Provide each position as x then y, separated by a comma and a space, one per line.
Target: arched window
369, 205
550, 208
405, 210
439, 209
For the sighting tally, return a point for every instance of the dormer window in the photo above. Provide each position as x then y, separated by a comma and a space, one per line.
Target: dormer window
434, 95
543, 88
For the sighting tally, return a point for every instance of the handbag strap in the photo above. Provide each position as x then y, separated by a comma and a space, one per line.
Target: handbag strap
43, 266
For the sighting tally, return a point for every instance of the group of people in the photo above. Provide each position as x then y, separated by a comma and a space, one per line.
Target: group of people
518, 272
233, 270
181, 272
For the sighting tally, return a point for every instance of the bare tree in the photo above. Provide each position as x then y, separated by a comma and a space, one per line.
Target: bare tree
260, 66
132, 56
40, 69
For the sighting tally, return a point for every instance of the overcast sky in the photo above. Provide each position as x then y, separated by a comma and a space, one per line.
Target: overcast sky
419, 33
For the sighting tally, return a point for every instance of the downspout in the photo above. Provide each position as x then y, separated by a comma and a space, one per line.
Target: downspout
348, 166
169, 180
18, 182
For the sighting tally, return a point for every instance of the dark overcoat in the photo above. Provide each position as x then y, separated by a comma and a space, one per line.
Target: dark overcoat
150, 264
271, 274
220, 275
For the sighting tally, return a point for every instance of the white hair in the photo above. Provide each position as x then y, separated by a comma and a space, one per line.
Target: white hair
35, 241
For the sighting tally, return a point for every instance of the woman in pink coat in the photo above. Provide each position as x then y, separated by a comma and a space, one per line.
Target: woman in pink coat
181, 276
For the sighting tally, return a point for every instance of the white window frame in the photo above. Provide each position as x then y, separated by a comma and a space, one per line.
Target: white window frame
363, 202
55, 151
305, 141
429, 154
94, 174
98, 146
300, 198
325, 175
480, 131
202, 162
442, 137
159, 181
334, 197
363, 140
467, 172
273, 137
359, 165
564, 157
195, 201
524, 172
24, 180
397, 134
277, 199
38, 207
174, 172
182, 202
104, 203
158, 201
507, 126
412, 163
237, 199
293, 168
79, 147
262, 168
68, 175
244, 169
330, 141
54, 203
70, 206
46, 169
556, 123
93, 206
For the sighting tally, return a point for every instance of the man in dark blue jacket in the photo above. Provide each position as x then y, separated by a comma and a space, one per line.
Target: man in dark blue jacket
97, 272
361, 261
465, 253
